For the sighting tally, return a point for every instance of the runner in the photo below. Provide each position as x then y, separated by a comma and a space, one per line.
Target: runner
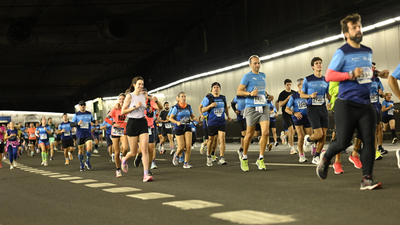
252, 86
351, 65
283, 98
215, 105
96, 136
118, 133
137, 129
12, 144
107, 127
32, 139
204, 117
44, 131
83, 121
51, 137
392, 80
65, 130
181, 116
240, 102
3, 132
388, 116
166, 129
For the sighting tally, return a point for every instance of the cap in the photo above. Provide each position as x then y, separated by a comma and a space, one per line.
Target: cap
144, 89
81, 102
215, 83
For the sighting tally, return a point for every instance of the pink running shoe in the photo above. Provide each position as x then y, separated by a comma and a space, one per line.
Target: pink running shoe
356, 161
147, 178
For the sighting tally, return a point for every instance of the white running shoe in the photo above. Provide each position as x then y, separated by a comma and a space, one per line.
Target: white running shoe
45, 163
209, 161
15, 164
202, 150
96, 151
70, 156
187, 166
307, 143
303, 159
153, 165
222, 161
315, 160
159, 148
11, 167
398, 158
293, 151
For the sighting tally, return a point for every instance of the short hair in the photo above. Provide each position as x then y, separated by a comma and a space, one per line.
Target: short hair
386, 94
354, 18
315, 59
253, 56
287, 81
166, 103
48, 118
299, 81
179, 95
373, 63
121, 94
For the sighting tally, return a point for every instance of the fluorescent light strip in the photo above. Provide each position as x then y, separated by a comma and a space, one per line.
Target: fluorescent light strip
30, 112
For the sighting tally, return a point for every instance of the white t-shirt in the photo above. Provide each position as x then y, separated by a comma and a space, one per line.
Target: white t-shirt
138, 112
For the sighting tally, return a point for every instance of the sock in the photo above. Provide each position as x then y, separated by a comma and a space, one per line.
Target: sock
394, 133
380, 147
301, 154
308, 139
241, 149
88, 154
96, 146
244, 157
261, 157
208, 156
212, 153
66, 159
317, 154
46, 156
185, 163
43, 157
221, 157
80, 156
118, 168
154, 160
146, 172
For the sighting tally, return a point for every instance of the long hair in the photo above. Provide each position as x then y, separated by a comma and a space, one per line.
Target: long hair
134, 80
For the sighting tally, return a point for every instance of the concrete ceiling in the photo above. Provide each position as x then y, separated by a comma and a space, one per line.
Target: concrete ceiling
57, 52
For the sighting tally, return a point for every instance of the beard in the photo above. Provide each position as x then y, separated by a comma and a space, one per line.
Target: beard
357, 39
167, 108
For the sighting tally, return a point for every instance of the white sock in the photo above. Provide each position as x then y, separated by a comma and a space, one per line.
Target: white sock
244, 157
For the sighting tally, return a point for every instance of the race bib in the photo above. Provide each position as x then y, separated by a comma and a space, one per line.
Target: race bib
373, 97
32, 135
302, 105
218, 112
67, 134
43, 136
272, 115
168, 125
118, 131
185, 120
318, 100
241, 112
150, 133
55, 135
84, 125
366, 76
390, 112
259, 100
193, 129
259, 109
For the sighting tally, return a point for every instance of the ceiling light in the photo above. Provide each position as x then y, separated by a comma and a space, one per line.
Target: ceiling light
364, 29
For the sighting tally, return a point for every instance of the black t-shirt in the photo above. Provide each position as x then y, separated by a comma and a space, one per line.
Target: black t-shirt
163, 115
282, 97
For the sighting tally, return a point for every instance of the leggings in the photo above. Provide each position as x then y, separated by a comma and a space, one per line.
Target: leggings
12, 153
348, 117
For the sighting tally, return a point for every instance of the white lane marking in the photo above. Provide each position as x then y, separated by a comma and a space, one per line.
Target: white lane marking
192, 204
83, 181
49, 174
121, 189
42, 171
96, 185
253, 217
161, 159
61, 175
150, 196
70, 178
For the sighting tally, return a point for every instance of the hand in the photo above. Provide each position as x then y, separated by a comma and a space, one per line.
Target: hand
117, 125
313, 95
178, 123
328, 106
397, 111
154, 98
202, 117
138, 104
214, 104
194, 119
229, 119
357, 72
63, 130
271, 112
391, 105
289, 97
254, 92
384, 74
237, 112
80, 122
298, 115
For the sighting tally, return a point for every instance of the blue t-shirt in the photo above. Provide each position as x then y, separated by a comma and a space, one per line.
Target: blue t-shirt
253, 81
85, 129
240, 102
389, 112
43, 135
68, 130
297, 104
14, 131
272, 115
26, 135
313, 84
97, 130
216, 116
396, 73
346, 59
376, 84
181, 114
108, 131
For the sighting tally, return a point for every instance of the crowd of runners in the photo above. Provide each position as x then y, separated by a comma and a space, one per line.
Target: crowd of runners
351, 88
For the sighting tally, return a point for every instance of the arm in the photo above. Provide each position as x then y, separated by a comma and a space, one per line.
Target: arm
282, 103
394, 86
125, 109
205, 109
172, 119
241, 91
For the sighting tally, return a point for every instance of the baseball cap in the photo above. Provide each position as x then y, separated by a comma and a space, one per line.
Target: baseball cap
81, 102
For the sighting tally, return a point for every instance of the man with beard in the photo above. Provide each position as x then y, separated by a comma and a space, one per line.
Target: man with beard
166, 129
351, 66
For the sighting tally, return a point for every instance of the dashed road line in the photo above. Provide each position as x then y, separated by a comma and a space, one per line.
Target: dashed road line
121, 189
192, 204
252, 217
150, 196
61, 175
83, 181
96, 185
70, 178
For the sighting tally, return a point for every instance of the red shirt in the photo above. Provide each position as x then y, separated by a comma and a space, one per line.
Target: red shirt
150, 120
119, 119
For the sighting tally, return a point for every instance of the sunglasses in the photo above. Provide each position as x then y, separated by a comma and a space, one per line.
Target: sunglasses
83, 105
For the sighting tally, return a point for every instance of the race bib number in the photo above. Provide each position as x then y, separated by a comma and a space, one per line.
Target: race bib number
218, 112
318, 100
67, 134
390, 112
32, 135
259, 109
150, 133
84, 125
259, 100
168, 125
302, 105
373, 97
366, 76
185, 120
118, 131
43, 136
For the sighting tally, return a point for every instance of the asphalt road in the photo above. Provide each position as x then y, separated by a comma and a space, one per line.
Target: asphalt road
286, 193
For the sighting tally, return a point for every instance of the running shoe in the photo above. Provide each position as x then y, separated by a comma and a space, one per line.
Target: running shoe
51, 158
322, 168
15, 164
307, 143
138, 160
209, 161
1, 167
214, 158
67, 162
11, 167
276, 144
314, 149
315, 160
124, 165
240, 153
368, 184
269, 147
394, 141
244, 164
222, 161
282, 135
32, 153
175, 160
147, 178
118, 173
172, 152
153, 165
398, 158
306, 148
202, 150
378, 155
187, 166
42, 164
45, 163
159, 147
88, 166
96, 151
260, 163
303, 159
356, 161
293, 151
113, 157
337, 168
162, 150
82, 167
71, 157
